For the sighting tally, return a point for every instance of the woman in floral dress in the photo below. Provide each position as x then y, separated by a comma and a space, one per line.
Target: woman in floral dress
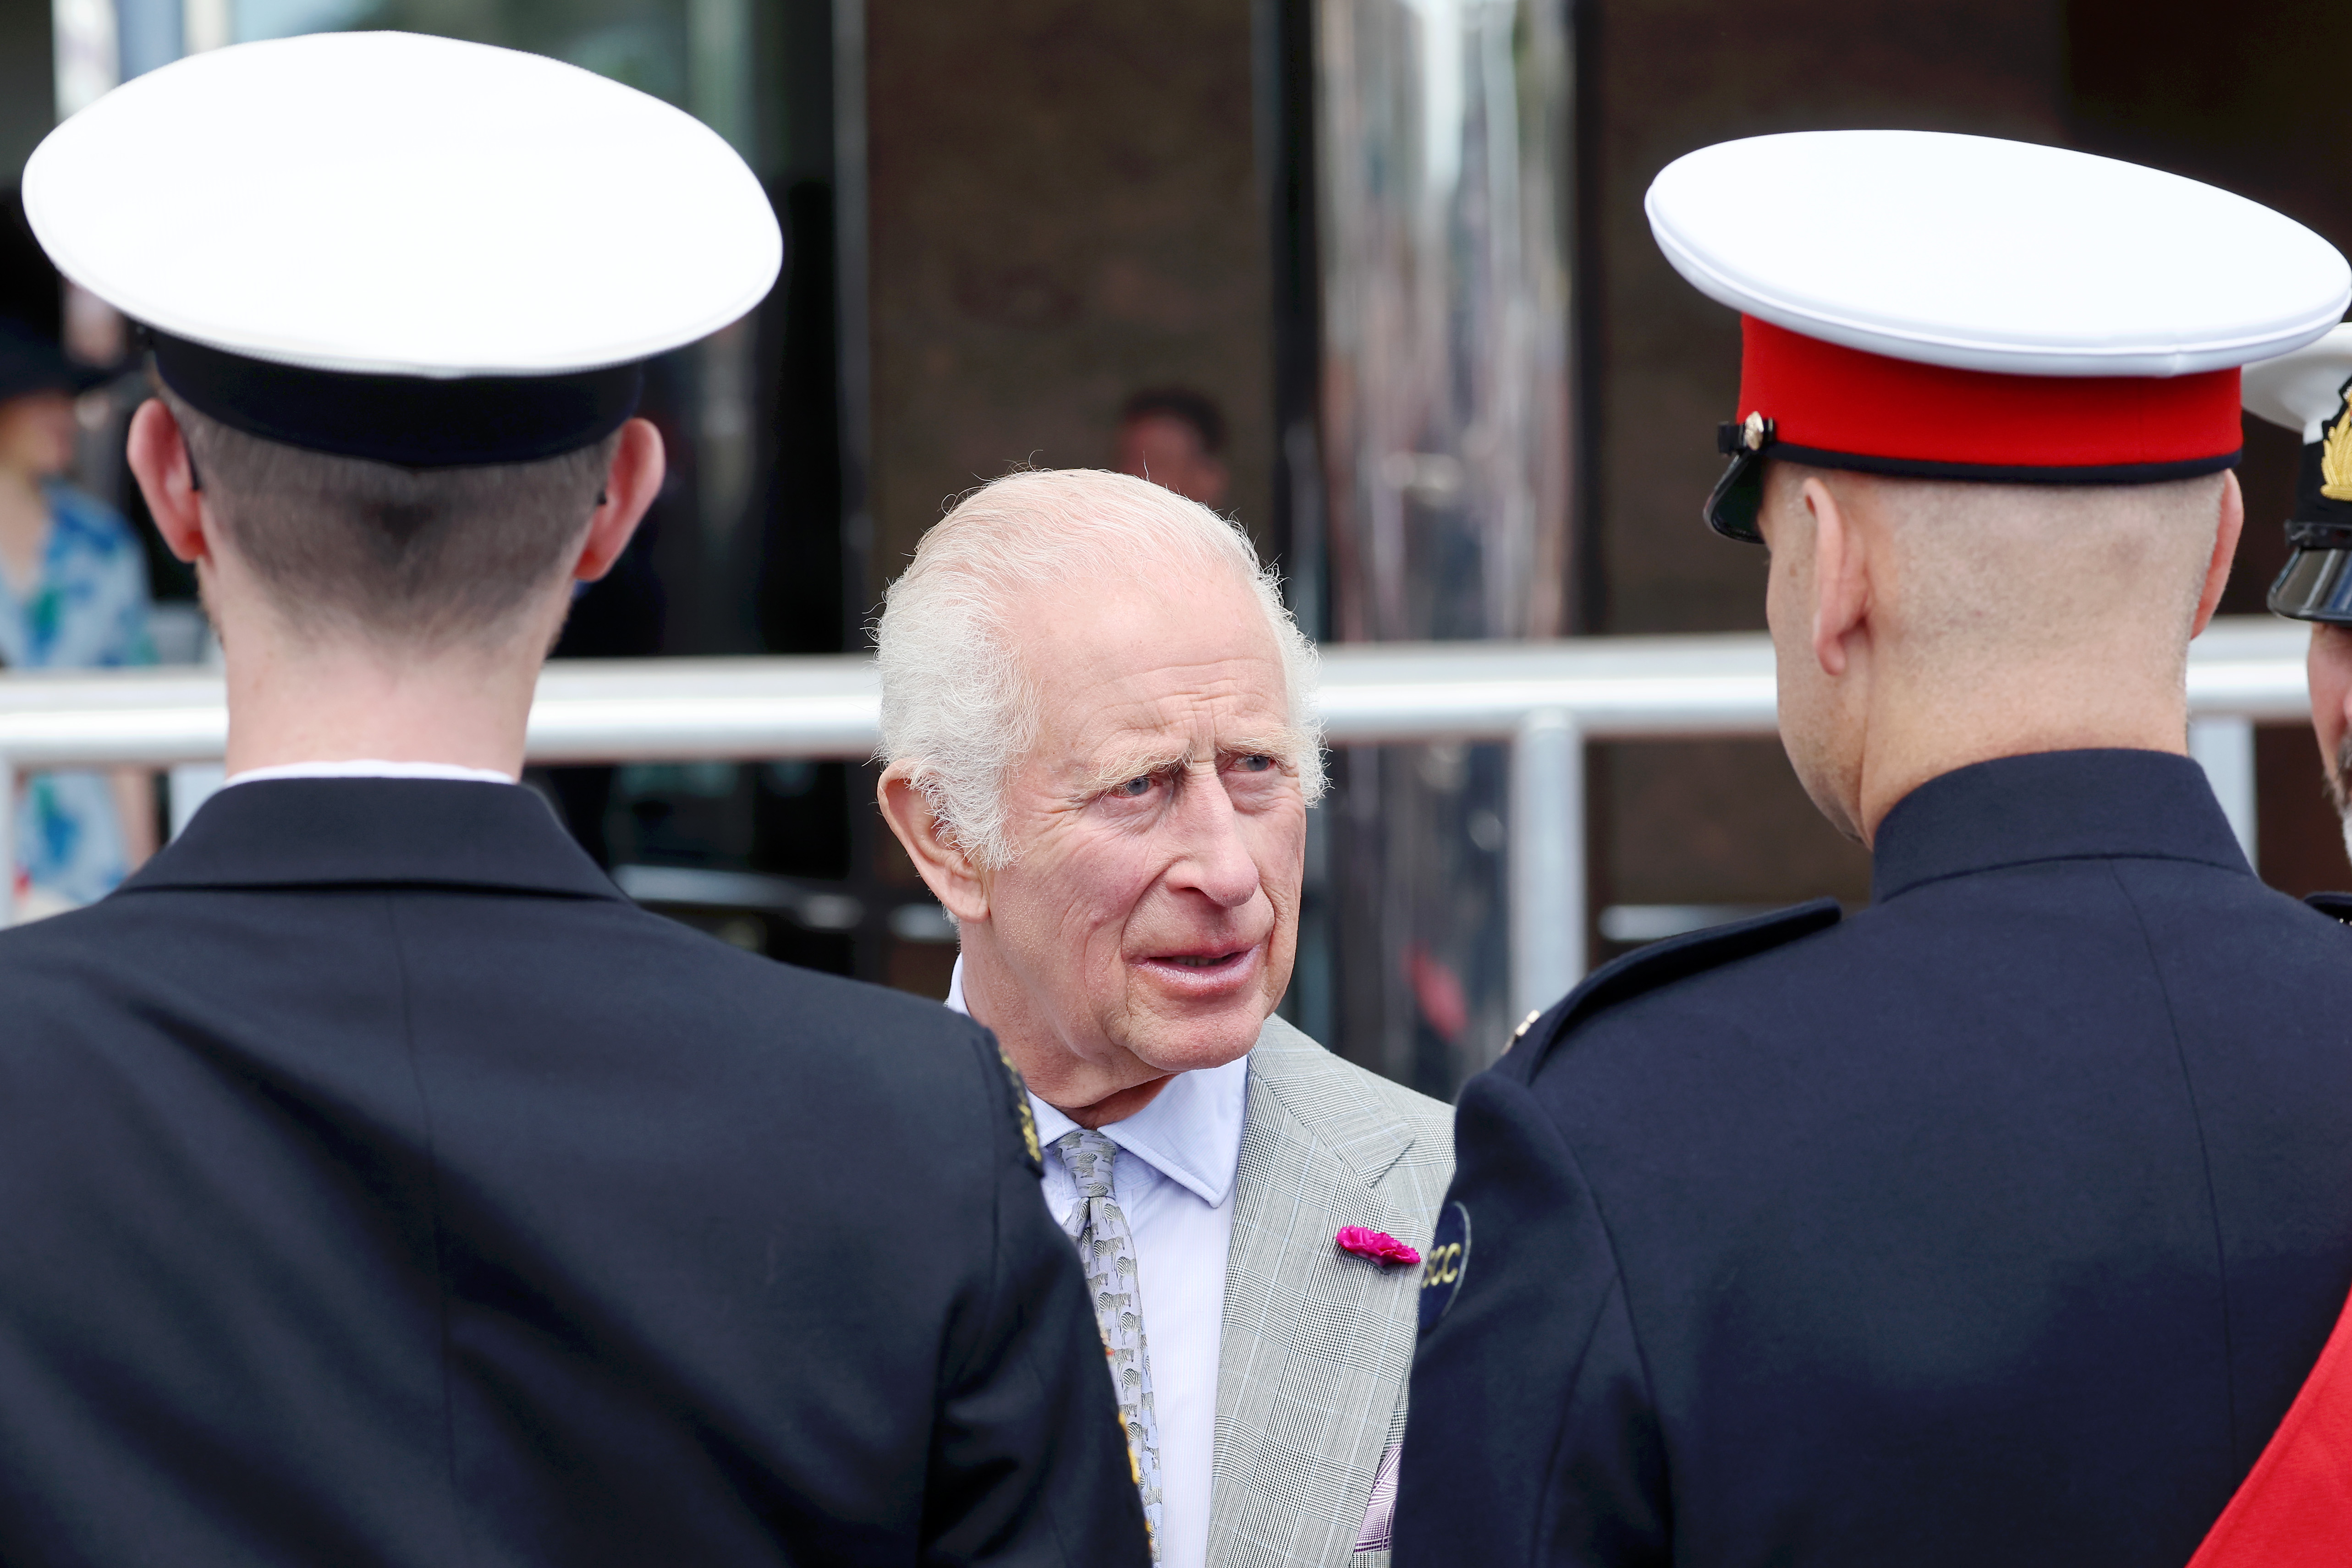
73, 595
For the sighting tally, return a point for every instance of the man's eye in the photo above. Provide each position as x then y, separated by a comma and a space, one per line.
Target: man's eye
1134, 789
1255, 762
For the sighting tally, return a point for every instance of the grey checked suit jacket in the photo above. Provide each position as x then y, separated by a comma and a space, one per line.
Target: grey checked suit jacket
1318, 1343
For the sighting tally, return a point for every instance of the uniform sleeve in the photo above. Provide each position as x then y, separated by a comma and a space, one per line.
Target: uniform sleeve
1532, 1438
1029, 1466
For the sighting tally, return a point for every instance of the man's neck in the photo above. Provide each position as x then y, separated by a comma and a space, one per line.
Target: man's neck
337, 702
1916, 735
1091, 1093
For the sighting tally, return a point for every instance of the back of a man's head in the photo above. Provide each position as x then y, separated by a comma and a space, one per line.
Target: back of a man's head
2045, 579
1922, 625
401, 558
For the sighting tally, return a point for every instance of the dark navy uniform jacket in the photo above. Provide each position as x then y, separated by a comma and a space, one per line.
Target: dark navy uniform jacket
379, 1187
1996, 1225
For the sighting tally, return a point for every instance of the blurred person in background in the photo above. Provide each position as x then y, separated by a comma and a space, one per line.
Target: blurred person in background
1176, 438
73, 596
1099, 726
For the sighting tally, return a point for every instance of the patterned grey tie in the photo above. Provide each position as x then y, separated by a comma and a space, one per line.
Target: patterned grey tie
1107, 1247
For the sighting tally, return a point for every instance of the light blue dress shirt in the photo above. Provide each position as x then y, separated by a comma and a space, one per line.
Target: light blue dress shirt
1174, 1177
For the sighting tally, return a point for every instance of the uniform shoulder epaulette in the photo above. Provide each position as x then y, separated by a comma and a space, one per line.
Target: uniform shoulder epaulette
1663, 963
2336, 906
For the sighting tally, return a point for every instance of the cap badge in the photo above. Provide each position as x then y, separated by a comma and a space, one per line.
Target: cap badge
1751, 436
2336, 458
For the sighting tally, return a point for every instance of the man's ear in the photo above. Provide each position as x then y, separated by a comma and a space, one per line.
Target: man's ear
1841, 575
158, 453
946, 870
631, 483
2225, 551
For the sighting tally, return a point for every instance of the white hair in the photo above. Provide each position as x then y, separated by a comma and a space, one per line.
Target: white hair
958, 710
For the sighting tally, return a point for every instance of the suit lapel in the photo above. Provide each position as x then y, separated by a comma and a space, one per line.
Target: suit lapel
1313, 1357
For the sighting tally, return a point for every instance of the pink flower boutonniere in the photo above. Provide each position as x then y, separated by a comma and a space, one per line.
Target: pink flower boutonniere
1377, 1245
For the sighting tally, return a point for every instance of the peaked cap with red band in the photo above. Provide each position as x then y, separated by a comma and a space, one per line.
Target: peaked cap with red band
1944, 307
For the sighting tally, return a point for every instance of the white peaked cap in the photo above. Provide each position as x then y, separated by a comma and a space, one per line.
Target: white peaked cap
2301, 391
1985, 255
389, 203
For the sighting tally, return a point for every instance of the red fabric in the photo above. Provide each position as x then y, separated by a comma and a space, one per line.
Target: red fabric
1843, 400
2294, 1511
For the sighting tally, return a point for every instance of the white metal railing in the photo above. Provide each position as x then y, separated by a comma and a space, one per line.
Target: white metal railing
1547, 698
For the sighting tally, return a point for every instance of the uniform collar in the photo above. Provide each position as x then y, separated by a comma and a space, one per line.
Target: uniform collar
367, 767
344, 832
1190, 1133
2052, 805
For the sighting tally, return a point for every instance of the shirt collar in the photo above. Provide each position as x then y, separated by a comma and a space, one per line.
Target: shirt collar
2052, 805
368, 768
1190, 1133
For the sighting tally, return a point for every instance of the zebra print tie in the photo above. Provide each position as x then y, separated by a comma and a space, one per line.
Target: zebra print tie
1106, 1249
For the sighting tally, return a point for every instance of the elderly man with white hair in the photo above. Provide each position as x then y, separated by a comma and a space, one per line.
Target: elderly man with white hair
1098, 725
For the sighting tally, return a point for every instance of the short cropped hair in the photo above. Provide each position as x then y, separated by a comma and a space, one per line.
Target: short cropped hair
403, 555
1185, 406
959, 708
1990, 576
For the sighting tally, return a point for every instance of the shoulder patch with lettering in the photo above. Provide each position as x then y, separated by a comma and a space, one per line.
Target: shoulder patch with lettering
1442, 1268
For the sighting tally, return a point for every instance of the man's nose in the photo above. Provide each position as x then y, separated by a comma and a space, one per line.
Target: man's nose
1216, 860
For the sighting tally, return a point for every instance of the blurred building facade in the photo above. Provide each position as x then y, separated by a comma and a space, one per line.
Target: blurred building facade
1400, 243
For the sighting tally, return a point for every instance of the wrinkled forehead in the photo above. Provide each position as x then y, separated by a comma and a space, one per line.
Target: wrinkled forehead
1175, 653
